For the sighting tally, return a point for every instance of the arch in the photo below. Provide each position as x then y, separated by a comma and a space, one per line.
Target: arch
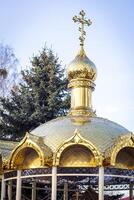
125, 158
77, 156
122, 153
26, 155
26, 158
77, 139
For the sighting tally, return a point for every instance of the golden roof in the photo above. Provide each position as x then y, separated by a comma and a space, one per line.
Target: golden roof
100, 132
58, 141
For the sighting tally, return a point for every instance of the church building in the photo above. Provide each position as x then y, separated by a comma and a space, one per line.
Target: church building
76, 157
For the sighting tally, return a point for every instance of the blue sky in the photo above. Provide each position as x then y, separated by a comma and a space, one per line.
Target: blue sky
28, 25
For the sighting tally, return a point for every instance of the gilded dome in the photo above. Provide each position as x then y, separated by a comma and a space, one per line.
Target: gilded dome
102, 133
82, 138
82, 67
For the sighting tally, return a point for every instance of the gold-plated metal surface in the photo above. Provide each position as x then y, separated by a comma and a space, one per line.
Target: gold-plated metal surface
125, 158
81, 102
122, 153
27, 155
77, 156
99, 131
26, 158
82, 22
111, 142
95, 156
81, 74
18, 155
82, 69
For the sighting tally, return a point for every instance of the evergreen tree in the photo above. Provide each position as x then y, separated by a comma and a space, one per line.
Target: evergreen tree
41, 96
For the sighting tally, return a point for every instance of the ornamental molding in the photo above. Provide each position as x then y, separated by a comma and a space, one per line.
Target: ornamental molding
25, 143
82, 72
80, 82
74, 140
122, 142
76, 114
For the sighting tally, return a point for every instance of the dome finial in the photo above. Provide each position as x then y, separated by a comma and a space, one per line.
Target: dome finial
82, 22
81, 74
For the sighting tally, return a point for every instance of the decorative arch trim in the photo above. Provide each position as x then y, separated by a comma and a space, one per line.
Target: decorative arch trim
123, 141
78, 139
25, 143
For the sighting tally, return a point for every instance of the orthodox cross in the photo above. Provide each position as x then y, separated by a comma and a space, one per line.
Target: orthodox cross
82, 21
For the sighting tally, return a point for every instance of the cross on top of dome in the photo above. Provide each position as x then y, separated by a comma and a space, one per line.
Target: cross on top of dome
82, 22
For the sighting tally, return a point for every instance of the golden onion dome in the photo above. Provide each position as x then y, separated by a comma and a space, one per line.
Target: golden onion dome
82, 67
